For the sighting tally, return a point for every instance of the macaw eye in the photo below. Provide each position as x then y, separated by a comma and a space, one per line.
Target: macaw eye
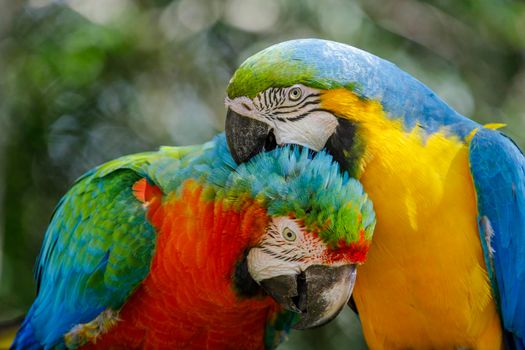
289, 235
295, 93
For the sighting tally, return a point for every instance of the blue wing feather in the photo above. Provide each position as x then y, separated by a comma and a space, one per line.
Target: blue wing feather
498, 170
75, 261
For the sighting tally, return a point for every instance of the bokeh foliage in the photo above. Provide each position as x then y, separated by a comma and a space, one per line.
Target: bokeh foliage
82, 82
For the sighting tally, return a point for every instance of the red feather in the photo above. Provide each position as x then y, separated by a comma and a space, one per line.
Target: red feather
188, 300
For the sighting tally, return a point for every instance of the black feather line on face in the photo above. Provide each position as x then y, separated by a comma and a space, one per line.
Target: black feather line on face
303, 103
304, 115
264, 101
271, 253
272, 99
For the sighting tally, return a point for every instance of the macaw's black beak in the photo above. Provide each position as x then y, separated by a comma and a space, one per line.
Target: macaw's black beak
247, 137
318, 294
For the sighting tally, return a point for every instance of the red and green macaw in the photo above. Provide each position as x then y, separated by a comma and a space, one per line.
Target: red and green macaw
182, 248
447, 265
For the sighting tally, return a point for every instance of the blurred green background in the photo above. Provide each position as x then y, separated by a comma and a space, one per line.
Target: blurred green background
82, 82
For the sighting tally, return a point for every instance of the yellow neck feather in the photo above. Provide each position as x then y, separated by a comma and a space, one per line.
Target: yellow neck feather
425, 268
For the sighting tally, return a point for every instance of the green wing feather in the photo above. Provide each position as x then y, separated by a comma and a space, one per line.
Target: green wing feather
98, 246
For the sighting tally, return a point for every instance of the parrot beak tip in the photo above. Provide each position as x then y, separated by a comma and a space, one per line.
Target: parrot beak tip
318, 294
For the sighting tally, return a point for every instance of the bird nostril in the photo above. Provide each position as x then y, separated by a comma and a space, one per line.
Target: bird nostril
248, 107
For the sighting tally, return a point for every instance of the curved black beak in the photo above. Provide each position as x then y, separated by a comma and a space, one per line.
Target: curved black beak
318, 294
246, 136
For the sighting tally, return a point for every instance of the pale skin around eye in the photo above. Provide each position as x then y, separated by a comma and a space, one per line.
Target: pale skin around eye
285, 249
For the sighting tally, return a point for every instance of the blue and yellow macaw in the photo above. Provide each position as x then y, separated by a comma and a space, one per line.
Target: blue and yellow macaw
447, 265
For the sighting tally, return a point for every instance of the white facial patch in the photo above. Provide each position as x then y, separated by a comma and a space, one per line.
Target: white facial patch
262, 265
284, 250
312, 131
294, 113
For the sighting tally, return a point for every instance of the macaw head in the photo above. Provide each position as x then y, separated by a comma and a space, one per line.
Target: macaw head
320, 225
318, 94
